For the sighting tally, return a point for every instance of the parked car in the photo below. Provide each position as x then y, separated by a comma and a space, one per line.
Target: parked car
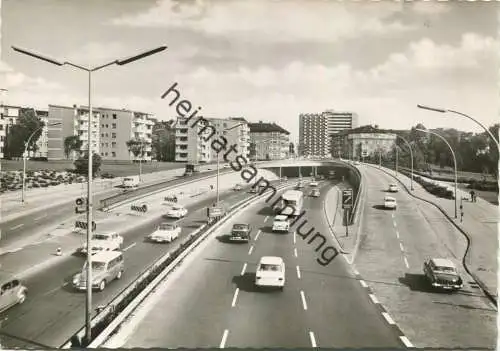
393, 188
270, 272
176, 211
315, 193
165, 233
281, 224
12, 291
241, 232
442, 274
111, 241
390, 202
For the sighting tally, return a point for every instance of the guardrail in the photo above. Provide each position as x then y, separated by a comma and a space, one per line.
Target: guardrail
109, 318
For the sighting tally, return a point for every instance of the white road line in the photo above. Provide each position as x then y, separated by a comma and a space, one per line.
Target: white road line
244, 269
394, 223
130, 246
294, 237
265, 219
303, 297
363, 284
250, 251
373, 298
397, 234
17, 226
313, 339
298, 272
295, 252
406, 262
235, 297
257, 236
224, 338
392, 215
405, 341
401, 247
355, 271
40, 217
388, 318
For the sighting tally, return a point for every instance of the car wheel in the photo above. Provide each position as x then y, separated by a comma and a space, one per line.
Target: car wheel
102, 285
22, 297
119, 275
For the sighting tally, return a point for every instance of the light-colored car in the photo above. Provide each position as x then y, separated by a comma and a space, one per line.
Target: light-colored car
106, 267
315, 193
270, 272
356, 163
390, 202
314, 183
165, 233
442, 274
393, 188
281, 224
176, 211
237, 187
12, 291
300, 185
111, 241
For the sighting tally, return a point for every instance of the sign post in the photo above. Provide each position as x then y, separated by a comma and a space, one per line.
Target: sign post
347, 205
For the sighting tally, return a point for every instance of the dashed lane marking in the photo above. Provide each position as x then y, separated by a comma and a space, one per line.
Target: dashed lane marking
265, 219
401, 247
394, 224
129, 247
250, 251
363, 284
224, 338
244, 269
235, 297
40, 217
303, 297
374, 299
406, 262
295, 252
397, 234
257, 236
355, 271
294, 237
313, 339
298, 272
16, 227
392, 214
388, 318
405, 341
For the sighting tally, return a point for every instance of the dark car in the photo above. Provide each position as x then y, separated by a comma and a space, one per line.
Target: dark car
241, 232
442, 274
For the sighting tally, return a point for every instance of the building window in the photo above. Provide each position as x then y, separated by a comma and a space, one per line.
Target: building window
102, 135
113, 135
113, 125
107, 125
114, 117
113, 144
113, 154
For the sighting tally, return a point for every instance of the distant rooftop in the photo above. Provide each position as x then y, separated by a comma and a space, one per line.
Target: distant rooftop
266, 128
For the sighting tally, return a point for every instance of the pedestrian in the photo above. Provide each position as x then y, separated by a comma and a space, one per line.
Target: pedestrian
473, 196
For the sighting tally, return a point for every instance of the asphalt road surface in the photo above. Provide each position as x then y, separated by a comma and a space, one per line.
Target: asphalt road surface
19, 228
54, 310
213, 301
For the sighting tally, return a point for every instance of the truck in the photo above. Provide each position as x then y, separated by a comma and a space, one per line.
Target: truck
130, 182
292, 203
191, 168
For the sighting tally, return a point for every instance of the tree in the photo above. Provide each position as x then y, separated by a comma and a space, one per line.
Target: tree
252, 152
136, 146
81, 164
28, 123
291, 149
163, 144
72, 144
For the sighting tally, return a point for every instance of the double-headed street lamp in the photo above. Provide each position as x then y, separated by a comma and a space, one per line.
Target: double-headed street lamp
454, 161
25, 155
88, 301
442, 110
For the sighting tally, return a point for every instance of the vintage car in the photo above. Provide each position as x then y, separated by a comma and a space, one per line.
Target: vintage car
176, 211
281, 224
12, 291
237, 187
240, 232
270, 272
111, 241
315, 193
393, 188
165, 233
314, 183
390, 202
300, 184
442, 274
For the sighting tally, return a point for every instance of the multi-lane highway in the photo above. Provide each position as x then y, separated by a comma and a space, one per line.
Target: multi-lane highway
212, 301
54, 311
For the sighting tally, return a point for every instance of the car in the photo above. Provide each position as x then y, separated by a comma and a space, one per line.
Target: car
442, 274
284, 178
393, 188
315, 193
106, 267
111, 241
356, 163
313, 183
253, 190
281, 224
300, 185
270, 272
165, 233
390, 202
12, 291
240, 232
237, 187
176, 211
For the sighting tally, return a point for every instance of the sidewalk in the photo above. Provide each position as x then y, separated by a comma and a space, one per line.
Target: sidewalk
479, 224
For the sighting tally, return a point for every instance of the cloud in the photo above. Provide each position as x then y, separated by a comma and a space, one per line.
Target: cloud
98, 53
432, 8
293, 20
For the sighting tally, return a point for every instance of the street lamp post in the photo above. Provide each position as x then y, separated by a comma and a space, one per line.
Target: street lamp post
442, 110
25, 154
411, 159
454, 161
88, 301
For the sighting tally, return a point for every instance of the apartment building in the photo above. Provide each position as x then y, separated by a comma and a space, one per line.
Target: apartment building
316, 129
356, 145
193, 143
8, 117
270, 141
42, 142
110, 130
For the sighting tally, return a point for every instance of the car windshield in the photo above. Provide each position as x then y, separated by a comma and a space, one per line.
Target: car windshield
176, 208
101, 237
98, 266
269, 267
445, 269
390, 200
280, 218
166, 226
240, 227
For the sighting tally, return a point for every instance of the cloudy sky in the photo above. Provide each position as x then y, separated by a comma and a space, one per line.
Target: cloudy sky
261, 59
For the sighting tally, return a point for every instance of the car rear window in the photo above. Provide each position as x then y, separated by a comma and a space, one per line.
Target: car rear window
166, 227
270, 268
240, 227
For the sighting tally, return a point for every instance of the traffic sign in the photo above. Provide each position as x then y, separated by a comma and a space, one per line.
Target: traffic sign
347, 198
215, 212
